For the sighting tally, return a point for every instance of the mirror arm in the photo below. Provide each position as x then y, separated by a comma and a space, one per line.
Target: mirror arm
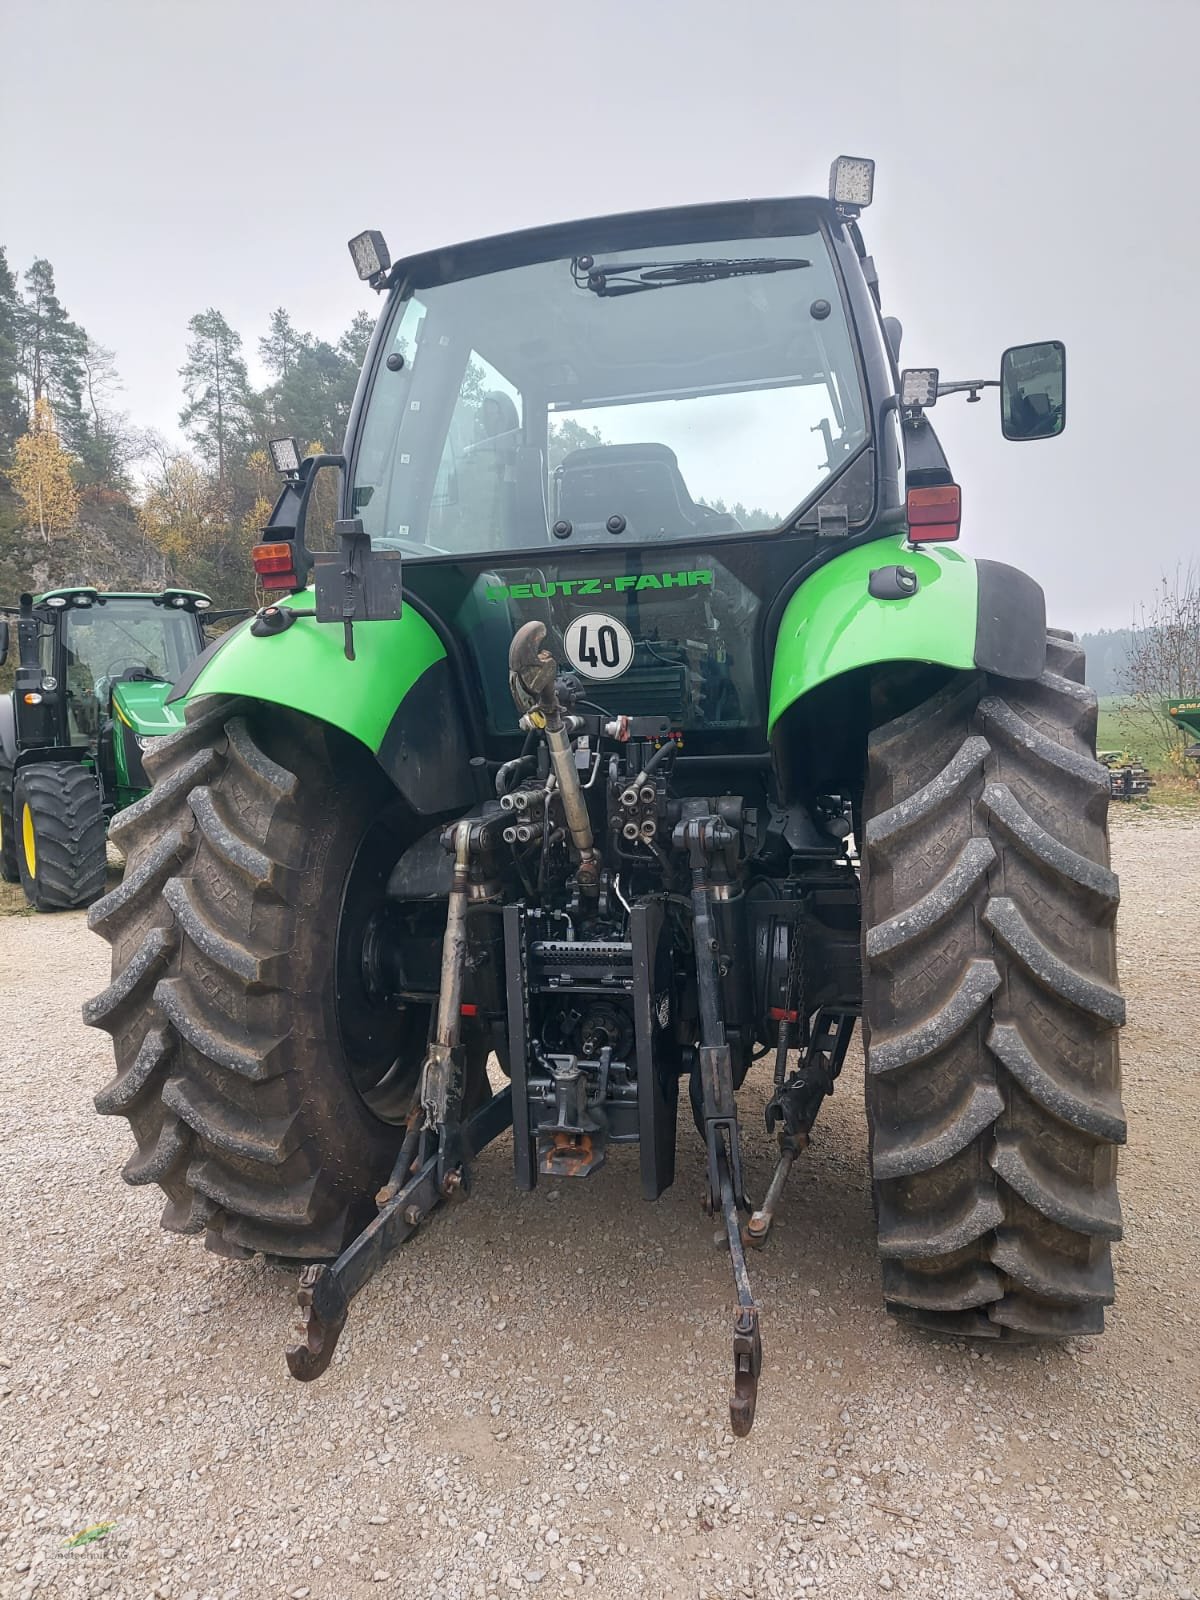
968, 386
290, 511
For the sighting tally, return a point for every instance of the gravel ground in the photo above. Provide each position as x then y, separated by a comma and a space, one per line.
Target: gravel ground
533, 1396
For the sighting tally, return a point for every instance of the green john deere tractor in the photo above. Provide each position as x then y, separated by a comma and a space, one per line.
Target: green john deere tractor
647, 721
93, 674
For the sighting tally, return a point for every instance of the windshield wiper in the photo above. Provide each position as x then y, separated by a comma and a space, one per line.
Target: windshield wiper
632, 277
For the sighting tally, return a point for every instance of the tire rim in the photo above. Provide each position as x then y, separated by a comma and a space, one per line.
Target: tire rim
382, 1039
28, 842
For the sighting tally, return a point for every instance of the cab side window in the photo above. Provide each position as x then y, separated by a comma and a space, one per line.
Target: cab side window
474, 504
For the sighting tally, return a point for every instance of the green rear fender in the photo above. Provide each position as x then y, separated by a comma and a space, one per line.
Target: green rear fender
964, 614
397, 697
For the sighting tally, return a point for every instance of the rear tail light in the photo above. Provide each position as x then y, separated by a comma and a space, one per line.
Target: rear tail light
275, 565
934, 514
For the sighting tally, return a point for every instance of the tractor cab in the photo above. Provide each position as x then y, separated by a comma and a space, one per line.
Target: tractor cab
93, 674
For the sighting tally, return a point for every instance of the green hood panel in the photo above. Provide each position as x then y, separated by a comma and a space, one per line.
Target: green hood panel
305, 668
143, 707
1186, 713
832, 623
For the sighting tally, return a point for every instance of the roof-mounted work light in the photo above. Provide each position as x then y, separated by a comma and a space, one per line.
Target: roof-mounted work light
285, 456
851, 183
918, 388
369, 252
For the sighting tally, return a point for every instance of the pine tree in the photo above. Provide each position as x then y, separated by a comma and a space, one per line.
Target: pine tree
51, 350
313, 400
12, 412
219, 412
283, 344
352, 346
314, 380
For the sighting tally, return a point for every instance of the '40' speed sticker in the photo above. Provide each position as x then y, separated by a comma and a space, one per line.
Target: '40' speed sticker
599, 646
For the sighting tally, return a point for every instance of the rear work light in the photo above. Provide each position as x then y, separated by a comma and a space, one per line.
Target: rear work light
275, 565
934, 514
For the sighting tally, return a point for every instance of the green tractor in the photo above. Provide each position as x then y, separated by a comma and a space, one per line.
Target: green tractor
645, 724
93, 675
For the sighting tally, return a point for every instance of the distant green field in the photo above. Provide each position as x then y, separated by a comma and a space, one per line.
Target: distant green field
1132, 732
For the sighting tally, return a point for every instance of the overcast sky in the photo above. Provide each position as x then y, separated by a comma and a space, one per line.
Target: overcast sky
1037, 178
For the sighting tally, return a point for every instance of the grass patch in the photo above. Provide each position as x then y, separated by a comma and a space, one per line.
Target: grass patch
1135, 733
1179, 799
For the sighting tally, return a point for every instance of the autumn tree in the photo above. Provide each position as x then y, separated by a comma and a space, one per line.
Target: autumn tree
263, 482
185, 517
322, 507
219, 414
181, 511
1164, 655
41, 475
108, 443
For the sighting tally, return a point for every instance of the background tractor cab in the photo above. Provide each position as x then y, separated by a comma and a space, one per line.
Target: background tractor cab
93, 674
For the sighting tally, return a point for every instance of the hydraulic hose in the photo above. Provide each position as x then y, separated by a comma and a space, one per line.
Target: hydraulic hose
532, 676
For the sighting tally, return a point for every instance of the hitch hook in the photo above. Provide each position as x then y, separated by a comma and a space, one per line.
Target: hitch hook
319, 1332
747, 1340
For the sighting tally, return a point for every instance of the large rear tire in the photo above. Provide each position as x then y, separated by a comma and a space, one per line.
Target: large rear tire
991, 1007
59, 826
246, 1055
10, 871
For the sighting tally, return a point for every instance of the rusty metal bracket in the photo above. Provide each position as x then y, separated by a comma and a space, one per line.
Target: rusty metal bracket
325, 1292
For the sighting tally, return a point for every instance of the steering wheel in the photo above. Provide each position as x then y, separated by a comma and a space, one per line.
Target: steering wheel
128, 670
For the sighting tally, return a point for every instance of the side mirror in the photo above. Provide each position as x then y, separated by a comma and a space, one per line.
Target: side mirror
3, 640
1033, 390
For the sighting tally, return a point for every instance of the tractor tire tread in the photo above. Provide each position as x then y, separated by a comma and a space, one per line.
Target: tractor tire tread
991, 1007
10, 870
69, 833
243, 1114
